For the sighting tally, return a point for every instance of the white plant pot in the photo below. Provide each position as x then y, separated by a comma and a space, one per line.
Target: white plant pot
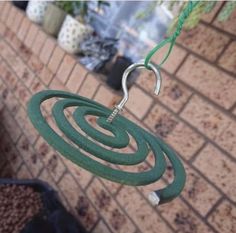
72, 33
36, 10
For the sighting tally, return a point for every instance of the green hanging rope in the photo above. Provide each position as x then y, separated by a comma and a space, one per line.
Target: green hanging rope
171, 40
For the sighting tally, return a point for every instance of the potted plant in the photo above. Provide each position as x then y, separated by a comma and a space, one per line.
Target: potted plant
55, 15
74, 29
36, 9
20, 4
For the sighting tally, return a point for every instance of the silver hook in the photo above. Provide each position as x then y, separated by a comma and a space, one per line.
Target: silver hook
131, 68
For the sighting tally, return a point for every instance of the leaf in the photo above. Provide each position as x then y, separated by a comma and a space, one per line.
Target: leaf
226, 11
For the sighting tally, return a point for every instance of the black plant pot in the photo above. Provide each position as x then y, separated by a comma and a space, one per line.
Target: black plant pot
115, 77
20, 4
54, 217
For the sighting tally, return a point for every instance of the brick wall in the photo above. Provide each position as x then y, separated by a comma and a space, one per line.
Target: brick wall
195, 114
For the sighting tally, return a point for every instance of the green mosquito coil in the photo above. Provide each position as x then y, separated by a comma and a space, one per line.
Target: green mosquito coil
100, 145
120, 128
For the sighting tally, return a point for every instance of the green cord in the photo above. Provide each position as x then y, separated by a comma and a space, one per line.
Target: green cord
183, 16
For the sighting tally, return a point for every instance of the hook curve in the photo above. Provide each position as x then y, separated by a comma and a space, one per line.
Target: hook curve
140, 64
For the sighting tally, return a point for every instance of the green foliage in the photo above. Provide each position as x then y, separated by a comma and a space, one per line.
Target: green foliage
226, 11
67, 6
204, 7
194, 18
78, 8
209, 6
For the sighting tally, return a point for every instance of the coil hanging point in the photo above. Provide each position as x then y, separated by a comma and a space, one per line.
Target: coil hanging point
141, 64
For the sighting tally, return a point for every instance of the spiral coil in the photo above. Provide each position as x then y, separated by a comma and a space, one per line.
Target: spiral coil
120, 129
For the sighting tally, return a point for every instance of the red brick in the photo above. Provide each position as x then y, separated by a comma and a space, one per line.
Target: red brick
204, 41
184, 140
228, 59
10, 101
35, 64
6, 171
108, 208
227, 25
176, 57
210, 81
23, 120
45, 176
81, 206
101, 227
30, 132
2, 5
14, 160
217, 168
22, 93
126, 113
56, 84
38, 42
182, 218
161, 121
227, 140
212, 123
205, 118
65, 68
9, 36
31, 35
24, 173
198, 192
30, 157
37, 86
223, 219
89, 86
11, 17
2, 29
18, 18
16, 44
82, 176
24, 27
56, 59
208, 17
50, 158
27, 76
10, 152
143, 215
5, 11
10, 125
138, 102
16, 64
21, 116
234, 111
8, 75
47, 50
111, 186
173, 94
24, 52
45, 75
76, 78
106, 97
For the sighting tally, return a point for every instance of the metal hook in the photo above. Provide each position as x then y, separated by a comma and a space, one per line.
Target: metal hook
131, 68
